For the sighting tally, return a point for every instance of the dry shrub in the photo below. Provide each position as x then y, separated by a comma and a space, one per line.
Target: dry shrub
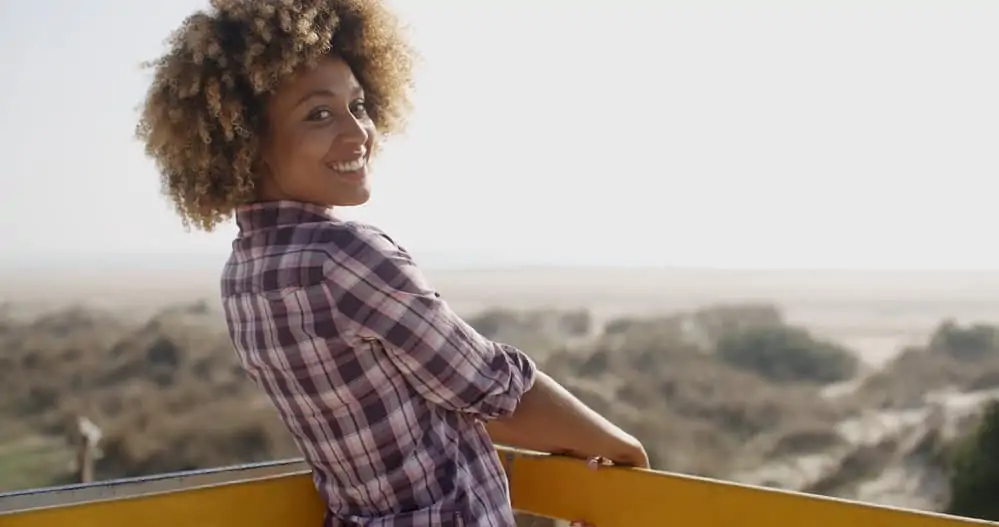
962, 358
662, 380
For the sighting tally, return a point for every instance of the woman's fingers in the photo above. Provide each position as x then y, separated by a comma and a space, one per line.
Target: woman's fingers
598, 461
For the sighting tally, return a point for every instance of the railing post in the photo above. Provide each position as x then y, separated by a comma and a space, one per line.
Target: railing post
88, 436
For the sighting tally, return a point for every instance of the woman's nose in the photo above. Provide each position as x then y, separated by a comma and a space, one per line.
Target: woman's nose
356, 131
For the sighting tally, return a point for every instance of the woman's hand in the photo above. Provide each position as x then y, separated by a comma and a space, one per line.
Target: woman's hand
630, 454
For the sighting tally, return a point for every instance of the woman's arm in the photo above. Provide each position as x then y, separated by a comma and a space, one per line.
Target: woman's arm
505, 431
550, 419
381, 295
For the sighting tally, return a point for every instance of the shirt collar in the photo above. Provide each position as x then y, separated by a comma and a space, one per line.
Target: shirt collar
270, 214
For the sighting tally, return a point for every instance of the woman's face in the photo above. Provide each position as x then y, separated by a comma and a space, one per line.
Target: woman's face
319, 138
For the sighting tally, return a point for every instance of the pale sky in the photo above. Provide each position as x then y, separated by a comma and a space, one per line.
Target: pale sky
846, 134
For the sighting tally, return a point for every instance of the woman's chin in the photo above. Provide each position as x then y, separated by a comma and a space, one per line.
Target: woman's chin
352, 195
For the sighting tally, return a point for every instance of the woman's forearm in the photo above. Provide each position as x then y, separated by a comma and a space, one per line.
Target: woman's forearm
505, 432
551, 419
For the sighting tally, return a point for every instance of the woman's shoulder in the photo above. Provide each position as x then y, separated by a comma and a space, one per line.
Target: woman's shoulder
366, 230
353, 242
363, 250
337, 236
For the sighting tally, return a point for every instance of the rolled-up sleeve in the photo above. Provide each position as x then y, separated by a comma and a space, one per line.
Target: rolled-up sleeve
383, 296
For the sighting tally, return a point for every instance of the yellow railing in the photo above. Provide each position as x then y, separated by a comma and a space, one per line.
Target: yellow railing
282, 494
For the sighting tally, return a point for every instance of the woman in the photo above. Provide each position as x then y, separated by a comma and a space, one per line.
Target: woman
272, 111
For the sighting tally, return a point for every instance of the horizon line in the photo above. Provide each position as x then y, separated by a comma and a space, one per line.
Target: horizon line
86, 265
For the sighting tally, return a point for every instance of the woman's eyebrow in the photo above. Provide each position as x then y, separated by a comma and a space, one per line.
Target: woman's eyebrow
326, 92
322, 92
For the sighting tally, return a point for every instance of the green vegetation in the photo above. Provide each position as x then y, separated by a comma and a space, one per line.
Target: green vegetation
782, 353
975, 476
33, 461
965, 343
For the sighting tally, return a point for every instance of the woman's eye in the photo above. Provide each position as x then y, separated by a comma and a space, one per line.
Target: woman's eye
359, 109
320, 115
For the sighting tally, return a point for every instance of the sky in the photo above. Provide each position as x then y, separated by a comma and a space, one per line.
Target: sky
743, 134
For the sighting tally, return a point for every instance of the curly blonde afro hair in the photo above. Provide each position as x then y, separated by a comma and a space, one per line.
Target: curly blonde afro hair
203, 116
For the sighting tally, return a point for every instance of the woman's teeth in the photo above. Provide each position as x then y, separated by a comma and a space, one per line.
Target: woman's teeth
349, 166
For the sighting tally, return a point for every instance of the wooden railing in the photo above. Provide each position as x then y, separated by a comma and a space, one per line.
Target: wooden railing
282, 494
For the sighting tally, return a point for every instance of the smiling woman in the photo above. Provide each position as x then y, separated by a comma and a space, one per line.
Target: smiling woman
272, 110
319, 138
260, 100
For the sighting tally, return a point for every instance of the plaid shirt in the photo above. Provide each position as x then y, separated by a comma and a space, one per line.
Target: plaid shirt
383, 387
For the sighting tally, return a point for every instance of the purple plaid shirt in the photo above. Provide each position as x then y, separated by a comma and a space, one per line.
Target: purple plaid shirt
383, 387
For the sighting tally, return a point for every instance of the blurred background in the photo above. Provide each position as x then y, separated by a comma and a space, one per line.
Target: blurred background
755, 234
